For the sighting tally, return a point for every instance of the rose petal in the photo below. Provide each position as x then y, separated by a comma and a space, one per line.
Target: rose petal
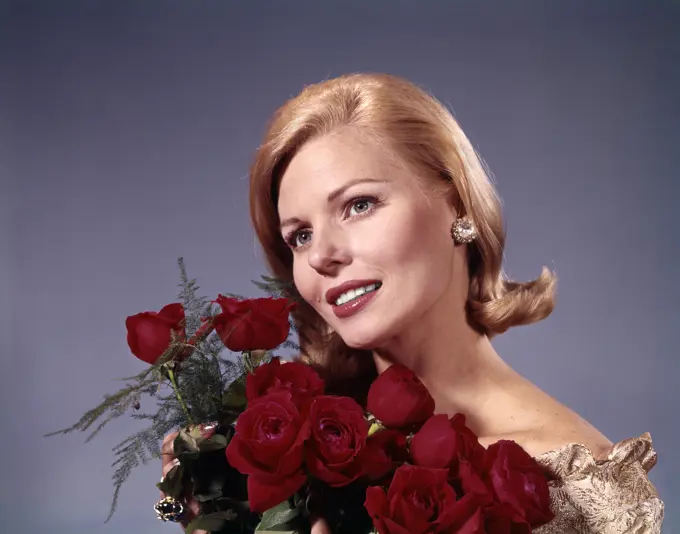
435, 444
298, 378
338, 438
518, 481
264, 494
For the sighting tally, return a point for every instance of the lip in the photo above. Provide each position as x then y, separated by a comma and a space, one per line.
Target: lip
354, 306
333, 293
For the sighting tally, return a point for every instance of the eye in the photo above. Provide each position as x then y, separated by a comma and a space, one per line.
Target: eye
298, 238
360, 206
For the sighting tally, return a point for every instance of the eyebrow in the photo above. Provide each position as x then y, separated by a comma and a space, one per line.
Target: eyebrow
333, 195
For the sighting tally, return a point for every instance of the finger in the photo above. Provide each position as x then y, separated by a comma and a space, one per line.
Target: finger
191, 504
191, 511
192, 507
319, 526
167, 448
174, 462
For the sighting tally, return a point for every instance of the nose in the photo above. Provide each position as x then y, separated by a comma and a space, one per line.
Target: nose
328, 252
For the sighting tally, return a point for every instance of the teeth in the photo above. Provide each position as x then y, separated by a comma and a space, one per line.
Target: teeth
354, 293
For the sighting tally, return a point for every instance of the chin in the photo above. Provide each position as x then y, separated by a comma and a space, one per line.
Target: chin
365, 336
373, 327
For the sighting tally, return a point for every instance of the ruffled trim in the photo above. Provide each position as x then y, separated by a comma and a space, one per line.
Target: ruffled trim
575, 458
612, 495
638, 450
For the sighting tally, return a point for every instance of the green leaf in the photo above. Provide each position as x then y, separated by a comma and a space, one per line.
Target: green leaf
211, 522
279, 519
172, 484
208, 488
235, 396
227, 503
184, 442
214, 443
228, 416
211, 494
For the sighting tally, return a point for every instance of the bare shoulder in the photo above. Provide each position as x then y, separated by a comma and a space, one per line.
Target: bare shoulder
550, 425
565, 427
553, 437
545, 439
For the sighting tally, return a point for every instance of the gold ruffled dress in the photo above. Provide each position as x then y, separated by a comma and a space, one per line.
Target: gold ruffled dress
610, 496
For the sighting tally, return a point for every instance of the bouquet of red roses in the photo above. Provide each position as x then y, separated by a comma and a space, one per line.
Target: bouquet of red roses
263, 447
420, 472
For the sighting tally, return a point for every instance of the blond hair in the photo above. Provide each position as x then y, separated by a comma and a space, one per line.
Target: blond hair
415, 126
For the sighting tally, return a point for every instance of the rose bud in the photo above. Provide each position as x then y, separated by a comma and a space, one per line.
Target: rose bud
252, 324
149, 334
385, 451
397, 398
442, 442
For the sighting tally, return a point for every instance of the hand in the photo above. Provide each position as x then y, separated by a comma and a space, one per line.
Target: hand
192, 507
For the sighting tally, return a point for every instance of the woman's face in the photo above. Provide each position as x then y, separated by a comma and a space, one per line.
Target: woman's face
372, 250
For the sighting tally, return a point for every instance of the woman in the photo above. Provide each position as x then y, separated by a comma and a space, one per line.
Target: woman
369, 197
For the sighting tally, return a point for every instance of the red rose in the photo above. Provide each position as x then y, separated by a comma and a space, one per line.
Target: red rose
517, 480
442, 443
339, 432
470, 481
502, 519
269, 446
149, 334
420, 500
397, 398
252, 324
300, 379
385, 451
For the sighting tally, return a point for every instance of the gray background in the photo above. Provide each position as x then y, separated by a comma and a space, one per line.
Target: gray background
127, 131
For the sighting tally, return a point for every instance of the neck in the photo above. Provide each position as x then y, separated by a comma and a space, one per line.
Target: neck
456, 363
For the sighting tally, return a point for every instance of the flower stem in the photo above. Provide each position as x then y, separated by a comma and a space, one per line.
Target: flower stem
247, 361
178, 395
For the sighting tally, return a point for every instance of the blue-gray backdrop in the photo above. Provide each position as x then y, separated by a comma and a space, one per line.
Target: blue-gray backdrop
127, 129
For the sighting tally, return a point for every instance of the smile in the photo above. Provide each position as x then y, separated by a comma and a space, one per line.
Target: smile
350, 297
353, 294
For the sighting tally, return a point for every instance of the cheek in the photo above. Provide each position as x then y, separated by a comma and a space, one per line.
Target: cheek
304, 278
415, 241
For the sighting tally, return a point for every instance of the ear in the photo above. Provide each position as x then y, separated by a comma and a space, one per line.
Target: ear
454, 202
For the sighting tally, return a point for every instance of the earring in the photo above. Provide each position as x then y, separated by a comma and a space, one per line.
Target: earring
463, 231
